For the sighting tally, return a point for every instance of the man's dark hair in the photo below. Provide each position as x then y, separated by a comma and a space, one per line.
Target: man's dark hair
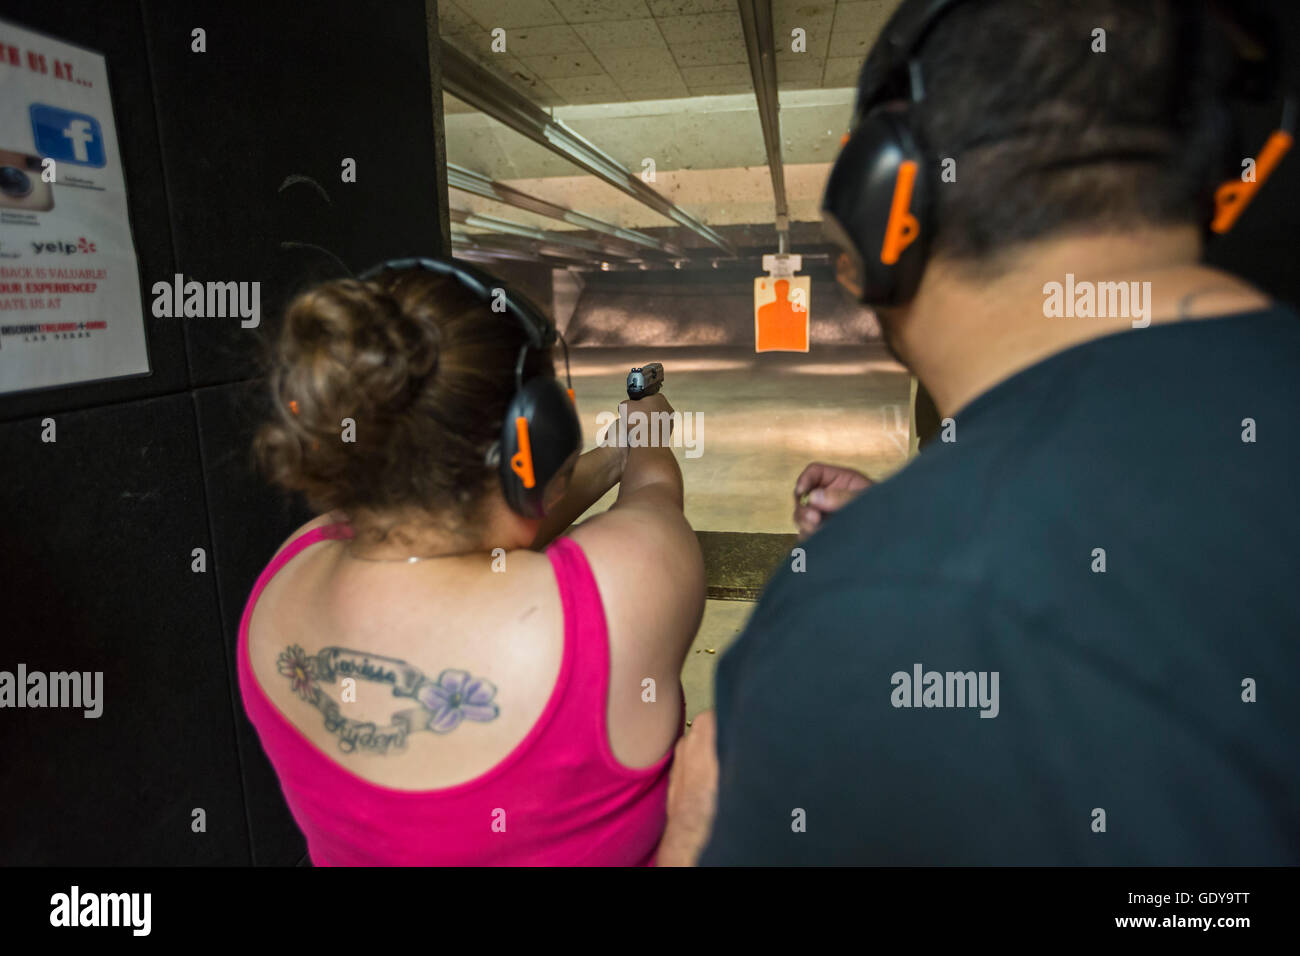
1050, 137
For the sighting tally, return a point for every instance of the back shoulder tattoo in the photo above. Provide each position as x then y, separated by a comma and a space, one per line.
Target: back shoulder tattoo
442, 704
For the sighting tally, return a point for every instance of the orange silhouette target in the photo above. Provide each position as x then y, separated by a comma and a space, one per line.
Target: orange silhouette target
781, 311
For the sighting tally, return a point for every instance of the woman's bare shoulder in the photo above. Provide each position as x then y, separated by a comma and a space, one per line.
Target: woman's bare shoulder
320, 521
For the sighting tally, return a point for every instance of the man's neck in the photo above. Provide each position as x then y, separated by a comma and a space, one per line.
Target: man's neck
962, 334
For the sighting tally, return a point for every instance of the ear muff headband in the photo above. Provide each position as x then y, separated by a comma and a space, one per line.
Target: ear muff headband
902, 227
521, 462
884, 73
1233, 196
541, 333
540, 433
876, 205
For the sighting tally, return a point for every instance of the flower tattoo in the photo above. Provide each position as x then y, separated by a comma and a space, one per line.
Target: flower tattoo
455, 697
296, 665
444, 704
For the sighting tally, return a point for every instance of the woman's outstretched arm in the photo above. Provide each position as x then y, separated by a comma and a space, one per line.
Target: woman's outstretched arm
595, 473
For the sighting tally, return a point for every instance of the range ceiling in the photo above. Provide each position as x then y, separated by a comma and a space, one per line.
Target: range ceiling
658, 81
607, 51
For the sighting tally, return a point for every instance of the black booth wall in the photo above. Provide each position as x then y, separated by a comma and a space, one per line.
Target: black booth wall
98, 528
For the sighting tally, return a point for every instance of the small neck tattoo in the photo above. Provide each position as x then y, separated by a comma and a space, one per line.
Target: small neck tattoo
413, 559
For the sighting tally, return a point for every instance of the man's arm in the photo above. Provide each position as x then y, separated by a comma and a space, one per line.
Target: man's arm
692, 794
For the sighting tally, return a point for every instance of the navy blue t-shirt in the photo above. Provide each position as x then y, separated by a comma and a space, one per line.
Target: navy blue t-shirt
954, 679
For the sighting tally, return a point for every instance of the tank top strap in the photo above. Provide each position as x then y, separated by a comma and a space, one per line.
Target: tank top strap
299, 544
586, 632
291, 550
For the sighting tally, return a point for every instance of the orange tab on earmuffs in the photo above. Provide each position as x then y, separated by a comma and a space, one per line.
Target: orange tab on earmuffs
1232, 198
521, 463
902, 228
572, 397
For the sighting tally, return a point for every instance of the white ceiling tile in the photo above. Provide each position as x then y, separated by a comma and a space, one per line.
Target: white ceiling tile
816, 47
702, 26
587, 89
474, 41
783, 10
452, 19
841, 71
541, 41
704, 133
546, 96
513, 70
716, 75
642, 67
659, 86
625, 35
844, 43
863, 16
563, 64
676, 8
511, 13
816, 28
710, 53
726, 89
805, 68
593, 11
788, 16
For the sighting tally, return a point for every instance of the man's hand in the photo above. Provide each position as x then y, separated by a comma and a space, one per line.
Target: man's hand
822, 489
692, 794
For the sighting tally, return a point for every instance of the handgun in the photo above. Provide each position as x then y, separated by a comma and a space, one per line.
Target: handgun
645, 380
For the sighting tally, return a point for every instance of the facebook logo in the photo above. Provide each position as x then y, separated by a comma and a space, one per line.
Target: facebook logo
67, 137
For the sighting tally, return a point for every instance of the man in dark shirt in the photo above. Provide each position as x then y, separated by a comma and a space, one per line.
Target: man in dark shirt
1069, 631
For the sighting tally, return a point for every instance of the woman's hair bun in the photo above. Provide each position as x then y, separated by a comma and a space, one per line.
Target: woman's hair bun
421, 366
351, 346
347, 349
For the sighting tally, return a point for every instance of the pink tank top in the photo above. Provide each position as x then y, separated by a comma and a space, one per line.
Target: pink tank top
559, 798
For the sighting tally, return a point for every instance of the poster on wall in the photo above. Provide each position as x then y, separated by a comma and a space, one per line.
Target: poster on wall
70, 308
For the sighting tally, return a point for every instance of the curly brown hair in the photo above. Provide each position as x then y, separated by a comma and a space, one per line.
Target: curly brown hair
425, 370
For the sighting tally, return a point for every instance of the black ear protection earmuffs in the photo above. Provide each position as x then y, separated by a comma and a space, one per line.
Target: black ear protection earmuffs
540, 436
878, 205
